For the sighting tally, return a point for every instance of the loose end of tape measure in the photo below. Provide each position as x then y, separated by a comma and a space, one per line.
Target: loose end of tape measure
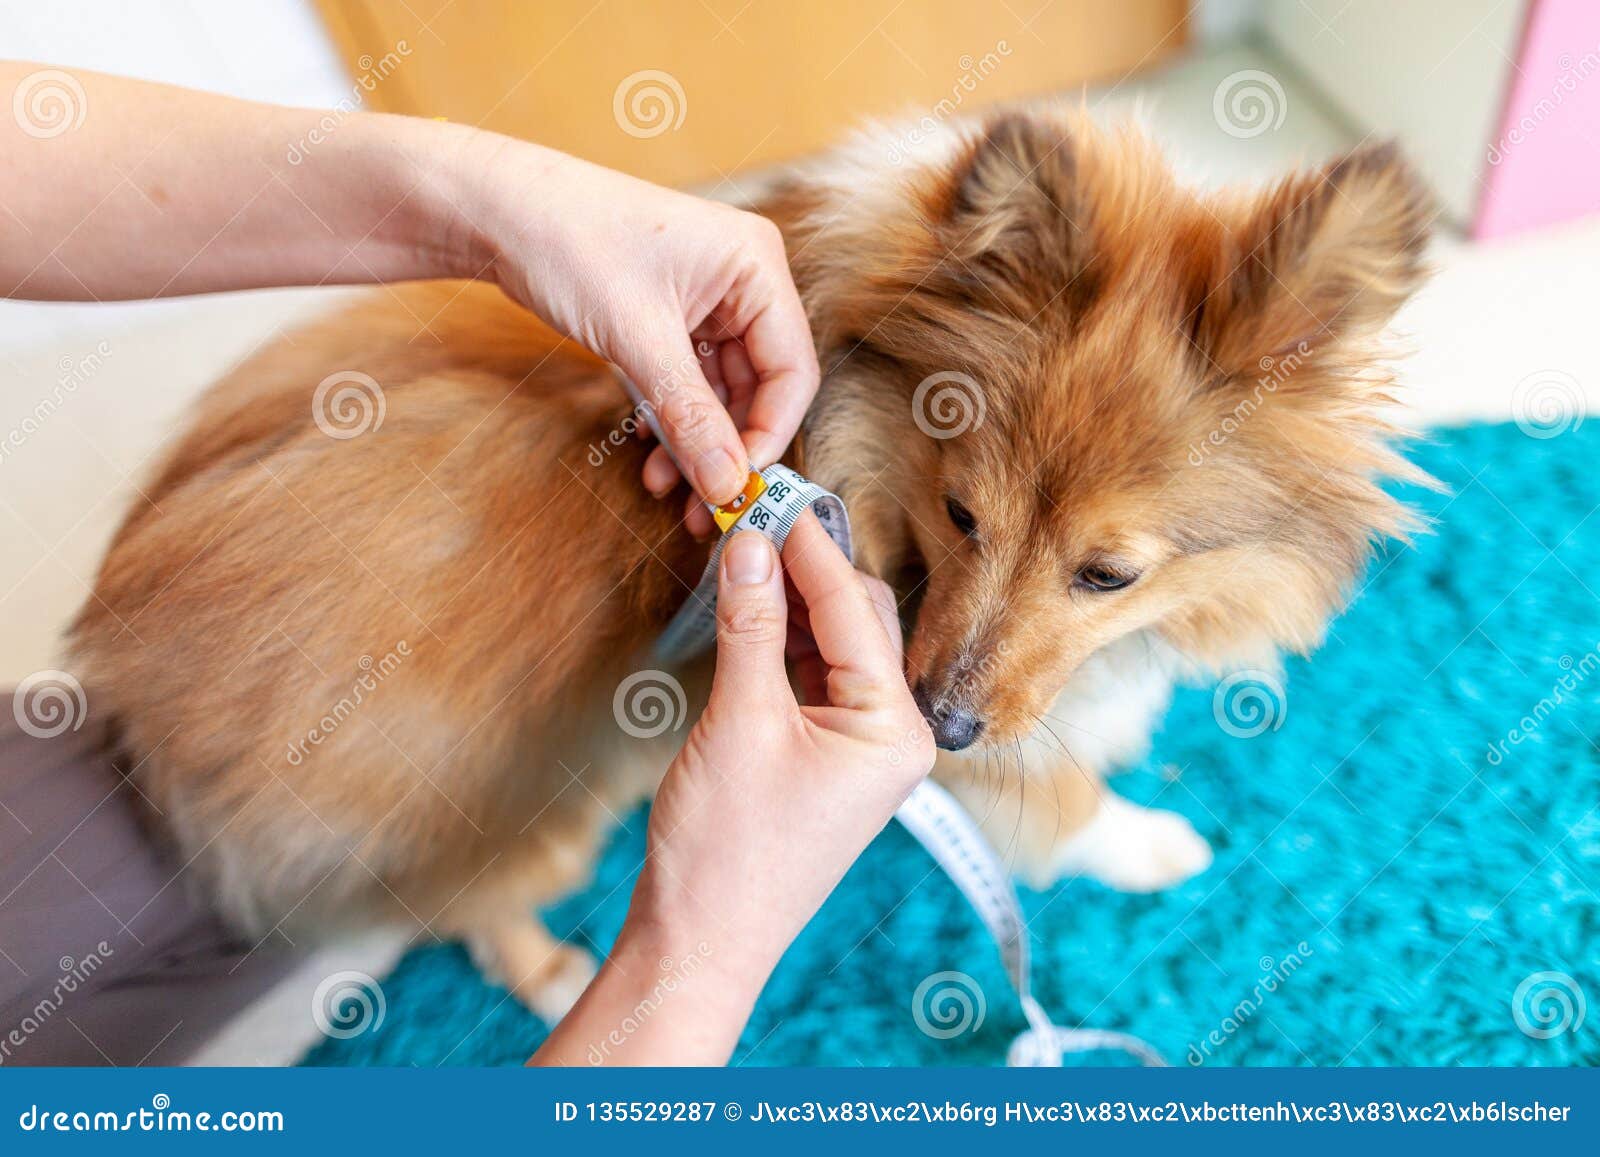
726, 515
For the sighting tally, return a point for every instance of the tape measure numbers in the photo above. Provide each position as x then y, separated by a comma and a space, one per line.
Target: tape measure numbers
782, 497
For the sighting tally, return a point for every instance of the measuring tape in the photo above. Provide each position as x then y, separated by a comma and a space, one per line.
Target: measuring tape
772, 502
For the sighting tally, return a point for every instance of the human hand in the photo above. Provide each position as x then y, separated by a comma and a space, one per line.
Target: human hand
691, 299
763, 810
770, 801
643, 276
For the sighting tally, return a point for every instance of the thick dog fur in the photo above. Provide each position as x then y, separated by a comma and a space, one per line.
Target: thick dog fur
372, 677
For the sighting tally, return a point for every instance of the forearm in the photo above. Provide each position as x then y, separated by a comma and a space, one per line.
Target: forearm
662, 997
162, 191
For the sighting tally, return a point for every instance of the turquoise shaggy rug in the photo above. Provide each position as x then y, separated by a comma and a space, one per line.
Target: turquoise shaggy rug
1407, 855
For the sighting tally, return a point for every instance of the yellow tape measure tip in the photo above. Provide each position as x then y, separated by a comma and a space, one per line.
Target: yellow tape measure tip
729, 513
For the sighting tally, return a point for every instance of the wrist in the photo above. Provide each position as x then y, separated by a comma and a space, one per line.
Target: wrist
511, 193
429, 172
729, 964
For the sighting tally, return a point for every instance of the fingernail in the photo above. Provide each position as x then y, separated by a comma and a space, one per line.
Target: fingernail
747, 559
719, 476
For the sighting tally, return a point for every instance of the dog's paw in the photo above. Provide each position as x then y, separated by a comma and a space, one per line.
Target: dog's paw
551, 995
1132, 848
546, 975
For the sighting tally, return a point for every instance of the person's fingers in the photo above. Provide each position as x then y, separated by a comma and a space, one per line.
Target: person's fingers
783, 362
752, 623
740, 378
741, 389
711, 367
737, 371
883, 601
667, 371
697, 519
863, 661
782, 359
811, 674
659, 474
809, 671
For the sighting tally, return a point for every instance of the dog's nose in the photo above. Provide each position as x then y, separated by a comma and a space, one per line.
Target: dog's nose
954, 728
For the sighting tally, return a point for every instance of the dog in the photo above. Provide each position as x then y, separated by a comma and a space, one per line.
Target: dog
365, 635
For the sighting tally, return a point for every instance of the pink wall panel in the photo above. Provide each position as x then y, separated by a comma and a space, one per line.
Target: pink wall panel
1544, 166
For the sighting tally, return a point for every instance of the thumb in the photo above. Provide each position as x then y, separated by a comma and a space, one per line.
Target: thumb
696, 424
752, 622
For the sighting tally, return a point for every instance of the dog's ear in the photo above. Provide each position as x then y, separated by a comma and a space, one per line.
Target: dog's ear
1014, 210
1323, 257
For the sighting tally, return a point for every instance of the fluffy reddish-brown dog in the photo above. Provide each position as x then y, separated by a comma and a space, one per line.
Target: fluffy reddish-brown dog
1100, 430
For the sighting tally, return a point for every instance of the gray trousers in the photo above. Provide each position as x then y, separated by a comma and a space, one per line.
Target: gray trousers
105, 957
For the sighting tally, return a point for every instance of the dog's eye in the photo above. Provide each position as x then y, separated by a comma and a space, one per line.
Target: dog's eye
960, 517
1098, 577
